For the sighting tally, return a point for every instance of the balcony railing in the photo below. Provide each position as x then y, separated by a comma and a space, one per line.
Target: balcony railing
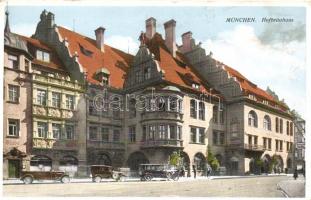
162, 143
57, 82
105, 145
254, 147
169, 115
50, 143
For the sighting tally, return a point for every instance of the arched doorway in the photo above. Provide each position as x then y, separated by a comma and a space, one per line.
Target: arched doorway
135, 159
266, 162
103, 159
40, 163
279, 165
199, 161
252, 166
233, 165
69, 164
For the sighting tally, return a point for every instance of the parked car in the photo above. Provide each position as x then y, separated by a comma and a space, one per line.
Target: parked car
29, 176
99, 172
149, 171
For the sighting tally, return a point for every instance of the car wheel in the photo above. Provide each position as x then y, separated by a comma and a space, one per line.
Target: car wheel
115, 176
65, 179
97, 179
148, 177
176, 177
169, 175
27, 179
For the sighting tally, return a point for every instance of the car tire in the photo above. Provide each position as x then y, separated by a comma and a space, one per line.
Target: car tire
65, 179
148, 177
97, 179
176, 177
169, 176
27, 179
116, 176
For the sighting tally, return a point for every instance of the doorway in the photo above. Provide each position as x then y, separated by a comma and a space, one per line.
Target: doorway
14, 168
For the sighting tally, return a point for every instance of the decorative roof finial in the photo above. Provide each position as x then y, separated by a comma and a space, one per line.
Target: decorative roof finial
7, 24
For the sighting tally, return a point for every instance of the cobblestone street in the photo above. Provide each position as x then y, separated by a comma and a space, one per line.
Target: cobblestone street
234, 187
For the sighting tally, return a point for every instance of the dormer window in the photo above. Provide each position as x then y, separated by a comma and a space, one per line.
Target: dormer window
43, 56
265, 102
195, 86
251, 96
102, 75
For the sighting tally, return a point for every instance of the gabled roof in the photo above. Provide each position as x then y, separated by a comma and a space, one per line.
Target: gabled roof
34, 44
250, 88
176, 70
92, 59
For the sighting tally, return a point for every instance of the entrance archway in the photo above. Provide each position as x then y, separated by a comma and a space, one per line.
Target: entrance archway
69, 164
266, 162
279, 165
220, 159
135, 159
289, 163
252, 166
199, 161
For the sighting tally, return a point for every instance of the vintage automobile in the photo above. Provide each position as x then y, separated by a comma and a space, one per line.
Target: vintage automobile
29, 176
99, 172
149, 171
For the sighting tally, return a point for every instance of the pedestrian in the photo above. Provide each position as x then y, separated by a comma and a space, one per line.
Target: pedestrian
208, 170
194, 171
295, 174
182, 172
188, 171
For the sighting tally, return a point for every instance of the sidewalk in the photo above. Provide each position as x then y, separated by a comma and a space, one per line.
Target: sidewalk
293, 188
136, 179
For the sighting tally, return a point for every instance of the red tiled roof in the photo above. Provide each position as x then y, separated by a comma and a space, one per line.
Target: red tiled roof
33, 44
116, 61
176, 70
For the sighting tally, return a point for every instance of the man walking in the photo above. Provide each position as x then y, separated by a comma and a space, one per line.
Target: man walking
208, 170
194, 171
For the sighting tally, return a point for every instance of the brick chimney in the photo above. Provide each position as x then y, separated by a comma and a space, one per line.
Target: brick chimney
186, 42
170, 40
99, 33
150, 27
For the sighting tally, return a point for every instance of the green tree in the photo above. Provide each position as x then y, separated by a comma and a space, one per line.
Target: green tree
212, 160
175, 158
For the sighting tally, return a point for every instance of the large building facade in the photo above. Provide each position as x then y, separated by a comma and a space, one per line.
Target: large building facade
89, 103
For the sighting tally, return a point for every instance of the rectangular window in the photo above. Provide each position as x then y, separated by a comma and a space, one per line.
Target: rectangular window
26, 65
43, 56
193, 108
137, 76
69, 132
56, 99
193, 134
13, 127
147, 73
215, 138
281, 145
93, 133
105, 134
255, 140
41, 97
152, 129
56, 128
13, 62
162, 132
201, 135
281, 126
144, 136
13, 93
250, 142
172, 132
132, 133
116, 135
69, 101
269, 143
264, 143
179, 132
276, 145
222, 138
42, 129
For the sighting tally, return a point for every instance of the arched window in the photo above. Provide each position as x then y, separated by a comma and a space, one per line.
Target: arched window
201, 110
193, 108
161, 104
277, 124
252, 119
267, 123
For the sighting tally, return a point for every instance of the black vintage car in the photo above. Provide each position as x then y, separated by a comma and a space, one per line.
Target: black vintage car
149, 171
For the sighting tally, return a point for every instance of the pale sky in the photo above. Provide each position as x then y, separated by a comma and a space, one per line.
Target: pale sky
268, 54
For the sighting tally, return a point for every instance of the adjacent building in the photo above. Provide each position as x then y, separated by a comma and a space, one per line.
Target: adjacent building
90, 103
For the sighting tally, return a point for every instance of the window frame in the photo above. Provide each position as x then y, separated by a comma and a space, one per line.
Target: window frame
16, 128
13, 96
